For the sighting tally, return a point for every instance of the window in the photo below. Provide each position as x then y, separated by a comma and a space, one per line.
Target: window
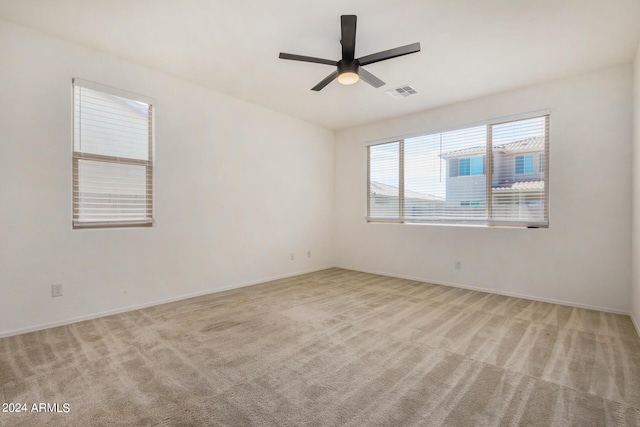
483, 174
112, 157
466, 166
524, 164
471, 166
384, 200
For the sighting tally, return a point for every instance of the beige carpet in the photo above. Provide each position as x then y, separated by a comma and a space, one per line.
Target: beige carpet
331, 348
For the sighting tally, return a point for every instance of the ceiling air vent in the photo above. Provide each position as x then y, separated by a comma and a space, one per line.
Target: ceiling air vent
402, 91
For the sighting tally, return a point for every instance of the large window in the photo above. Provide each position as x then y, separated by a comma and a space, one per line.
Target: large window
112, 157
495, 174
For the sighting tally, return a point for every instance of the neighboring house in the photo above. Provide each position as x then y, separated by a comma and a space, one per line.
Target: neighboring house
384, 198
517, 182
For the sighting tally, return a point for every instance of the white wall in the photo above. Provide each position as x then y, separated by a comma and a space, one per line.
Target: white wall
582, 259
237, 189
635, 260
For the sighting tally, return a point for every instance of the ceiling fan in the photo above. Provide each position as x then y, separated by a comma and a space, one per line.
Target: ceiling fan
349, 69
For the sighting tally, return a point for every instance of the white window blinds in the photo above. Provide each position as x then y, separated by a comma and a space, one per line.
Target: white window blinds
519, 185
112, 157
490, 174
384, 181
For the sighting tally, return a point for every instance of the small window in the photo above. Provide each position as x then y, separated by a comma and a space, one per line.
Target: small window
524, 164
112, 157
477, 165
465, 167
471, 166
454, 167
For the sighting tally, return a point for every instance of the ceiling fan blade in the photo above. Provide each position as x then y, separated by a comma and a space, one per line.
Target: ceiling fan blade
388, 54
325, 81
302, 58
348, 41
370, 78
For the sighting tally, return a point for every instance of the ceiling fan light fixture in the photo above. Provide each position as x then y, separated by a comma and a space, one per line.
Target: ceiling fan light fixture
348, 72
348, 78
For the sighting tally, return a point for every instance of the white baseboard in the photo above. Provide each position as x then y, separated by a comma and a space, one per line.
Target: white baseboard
636, 324
149, 304
268, 279
498, 292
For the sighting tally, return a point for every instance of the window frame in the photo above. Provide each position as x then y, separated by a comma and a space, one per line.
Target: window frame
490, 221
78, 156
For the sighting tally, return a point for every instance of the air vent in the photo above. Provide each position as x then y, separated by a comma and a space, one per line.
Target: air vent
402, 91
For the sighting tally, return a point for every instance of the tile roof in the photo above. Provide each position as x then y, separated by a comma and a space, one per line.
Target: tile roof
521, 186
479, 149
529, 144
379, 189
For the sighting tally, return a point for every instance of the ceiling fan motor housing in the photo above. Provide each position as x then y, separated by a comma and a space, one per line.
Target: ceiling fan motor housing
348, 67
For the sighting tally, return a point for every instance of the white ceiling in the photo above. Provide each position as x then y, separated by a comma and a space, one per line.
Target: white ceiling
470, 48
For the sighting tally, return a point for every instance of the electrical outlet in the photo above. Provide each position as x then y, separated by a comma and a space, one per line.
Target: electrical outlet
292, 257
56, 290
458, 265
308, 254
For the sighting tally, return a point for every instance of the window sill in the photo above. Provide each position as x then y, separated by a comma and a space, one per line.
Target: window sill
82, 225
467, 225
